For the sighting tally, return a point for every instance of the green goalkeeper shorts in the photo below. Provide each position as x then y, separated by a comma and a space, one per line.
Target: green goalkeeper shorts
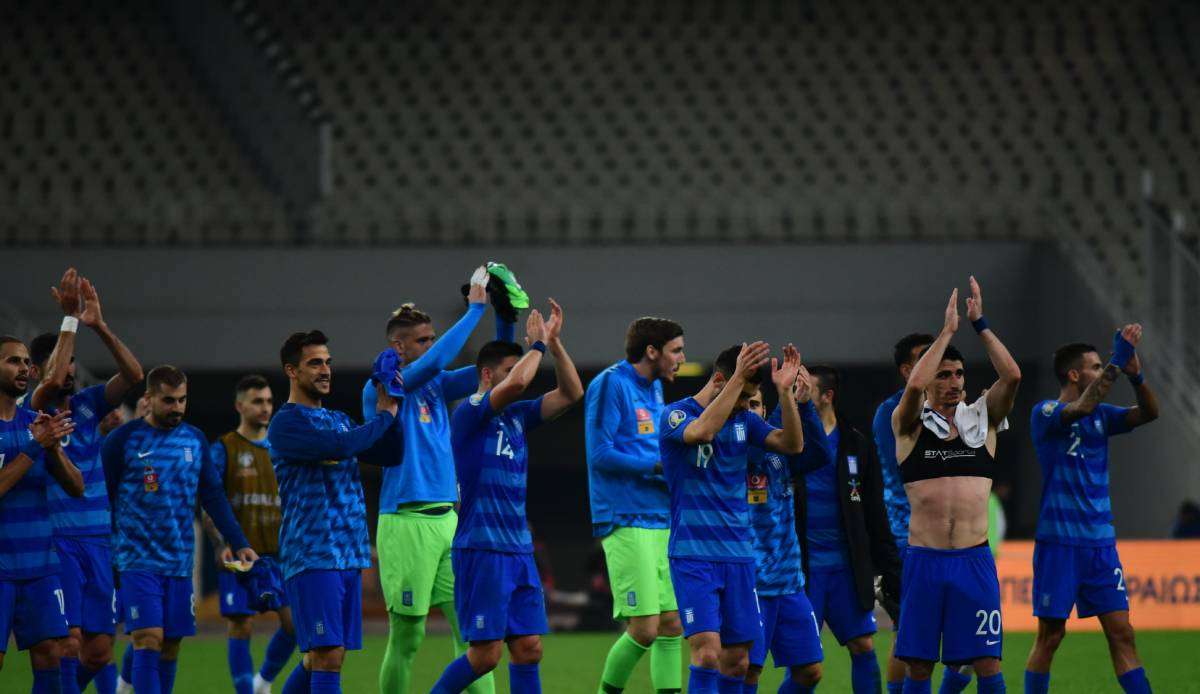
639, 572
414, 560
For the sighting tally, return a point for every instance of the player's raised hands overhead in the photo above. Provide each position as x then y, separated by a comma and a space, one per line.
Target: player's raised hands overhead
90, 314
535, 328
477, 294
975, 302
49, 430
951, 323
751, 358
1133, 335
554, 325
783, 374
67, 292
802, 390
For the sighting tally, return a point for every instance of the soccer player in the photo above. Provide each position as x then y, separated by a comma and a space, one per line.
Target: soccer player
789, 628
950, 594
83, 526
31, 606
630, 505
416, 500
155, 469
243, 461
704, 441
497, 590
847, 540
1075, 560
323, 543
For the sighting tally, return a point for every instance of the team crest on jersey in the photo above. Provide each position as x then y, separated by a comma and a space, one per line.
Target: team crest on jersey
426, 417
739, 432
149, 479
855, 495
85, 411
476, 398
1048, 408
756, 488
245, 458
676, 418
645, 423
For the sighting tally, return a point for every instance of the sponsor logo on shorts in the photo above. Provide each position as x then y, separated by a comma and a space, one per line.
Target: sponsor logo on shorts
631, 598
689, 615
406, 598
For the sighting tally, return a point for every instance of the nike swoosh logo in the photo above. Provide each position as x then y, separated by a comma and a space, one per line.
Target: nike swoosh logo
143, 455
991, 643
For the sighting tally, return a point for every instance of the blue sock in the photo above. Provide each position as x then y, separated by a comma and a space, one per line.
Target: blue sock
457, 676
912, 686
297, 682
241, 666
145, 672
1037, 682
524, 679
323, 682
105, 680
70, 672
729, 685
278, 651
166, 675
701, 680
749, 688
47, 681
992, 684
953, 681
864, 673
1135, 682
895, 687
127, 663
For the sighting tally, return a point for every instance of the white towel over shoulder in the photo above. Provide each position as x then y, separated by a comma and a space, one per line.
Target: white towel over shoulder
971, 421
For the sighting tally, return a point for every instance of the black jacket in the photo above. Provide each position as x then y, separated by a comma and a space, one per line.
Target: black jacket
872, 548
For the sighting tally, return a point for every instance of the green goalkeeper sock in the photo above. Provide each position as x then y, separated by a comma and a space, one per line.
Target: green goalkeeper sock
483, 685
622, 659
665, 671
405, 634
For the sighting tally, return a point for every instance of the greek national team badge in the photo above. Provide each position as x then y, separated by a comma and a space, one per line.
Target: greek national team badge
187, 454
631, 598
689, 615
855, 495
676, 418
149, 479
407, 598
739, 431
644, 421
756, 488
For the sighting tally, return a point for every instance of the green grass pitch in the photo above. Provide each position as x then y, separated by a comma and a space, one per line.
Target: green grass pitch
572, 665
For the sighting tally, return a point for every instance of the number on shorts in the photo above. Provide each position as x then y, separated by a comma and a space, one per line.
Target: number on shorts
989, 623
62, 604
1120, 574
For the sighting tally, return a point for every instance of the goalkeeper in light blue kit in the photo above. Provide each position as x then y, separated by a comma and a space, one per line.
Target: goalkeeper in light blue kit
705, 441
497, 590
1075, 560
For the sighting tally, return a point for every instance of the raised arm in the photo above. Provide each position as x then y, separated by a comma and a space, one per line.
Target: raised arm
513, 386
816, 453
297, 440
907, 416
129, 369
1124, 345
444, 350
1003, 393
704, 428
790, 439
58, 365
568, 389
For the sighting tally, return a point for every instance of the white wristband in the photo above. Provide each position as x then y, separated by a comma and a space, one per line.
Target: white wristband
70, 324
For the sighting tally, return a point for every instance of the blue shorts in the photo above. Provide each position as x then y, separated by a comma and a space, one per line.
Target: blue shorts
327, 608
497, 595
717, 596
949, 597
153, 600
835, 603
32, 610
789, 631
244, 594
1089, 578
87, 583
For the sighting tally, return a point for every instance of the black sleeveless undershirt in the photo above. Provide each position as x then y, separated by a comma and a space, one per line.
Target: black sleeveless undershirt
932, 457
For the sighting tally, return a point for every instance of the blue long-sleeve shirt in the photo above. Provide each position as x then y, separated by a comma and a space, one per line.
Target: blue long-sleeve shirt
621, 415
154, 477
320, 490
426, 469
895, 499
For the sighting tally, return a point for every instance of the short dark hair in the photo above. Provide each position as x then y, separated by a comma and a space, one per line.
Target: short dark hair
250, 382
951, 354
294, 345
41, 347
726, 364
649, 332
5, 339
495, 352
407, 316
164, 375
902, 352
1067, 357
828, 378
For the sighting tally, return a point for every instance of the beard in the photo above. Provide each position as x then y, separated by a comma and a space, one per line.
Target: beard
11, 390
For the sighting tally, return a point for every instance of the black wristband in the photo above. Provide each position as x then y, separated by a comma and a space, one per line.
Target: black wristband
539, 346
980, 324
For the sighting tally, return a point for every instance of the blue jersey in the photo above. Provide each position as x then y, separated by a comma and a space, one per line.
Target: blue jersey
492, 462
895, 499
154, 478
621, 415
710, 518
1074, 457
26, 544
88, 514
324, 515
827, 543
426, 473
